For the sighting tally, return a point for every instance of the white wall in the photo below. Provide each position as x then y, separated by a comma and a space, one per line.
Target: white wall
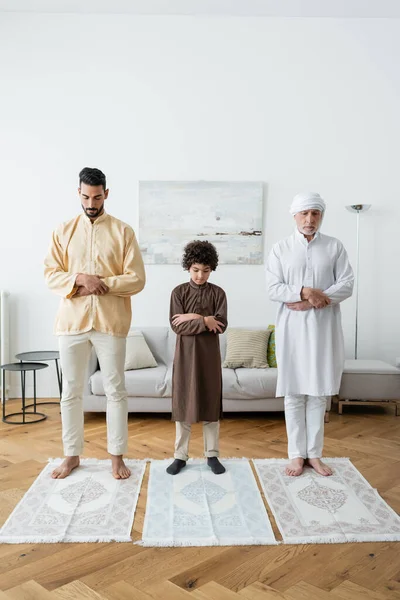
298, 103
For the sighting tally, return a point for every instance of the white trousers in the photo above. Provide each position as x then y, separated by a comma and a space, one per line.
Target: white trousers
210, 436
304, 417
74, 356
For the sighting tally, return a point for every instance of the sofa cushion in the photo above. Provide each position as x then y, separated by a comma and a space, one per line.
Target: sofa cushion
247, 348
239, 383
167, 393
138, 354
369, 380
171, 343
242, 384
257, 383
156, 339
149, 383
271, 350
222, 345
378, 367
230, 385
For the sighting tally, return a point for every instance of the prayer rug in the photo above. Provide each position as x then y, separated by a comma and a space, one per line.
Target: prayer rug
198, 508
313, 509
88, 506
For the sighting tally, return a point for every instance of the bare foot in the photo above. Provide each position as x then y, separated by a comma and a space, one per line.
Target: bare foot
319, 466
69, 464
119, 469
295, 467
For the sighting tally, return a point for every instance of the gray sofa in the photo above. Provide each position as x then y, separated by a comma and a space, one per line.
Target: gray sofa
373, 381
149, 390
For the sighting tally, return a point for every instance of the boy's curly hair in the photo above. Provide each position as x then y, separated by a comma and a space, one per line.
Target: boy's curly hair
203, 253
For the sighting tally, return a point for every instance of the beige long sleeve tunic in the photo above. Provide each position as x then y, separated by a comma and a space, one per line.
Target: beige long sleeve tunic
107, 248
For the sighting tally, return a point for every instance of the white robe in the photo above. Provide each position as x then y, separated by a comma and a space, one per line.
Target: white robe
309, 344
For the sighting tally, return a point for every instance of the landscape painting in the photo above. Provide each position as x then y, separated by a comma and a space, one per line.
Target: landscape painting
227, 214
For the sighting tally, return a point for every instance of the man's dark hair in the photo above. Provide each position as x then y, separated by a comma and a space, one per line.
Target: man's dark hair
92, 177
203, 253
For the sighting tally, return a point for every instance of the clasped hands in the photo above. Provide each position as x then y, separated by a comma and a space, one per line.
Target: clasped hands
90, 284
310, 298
211, 322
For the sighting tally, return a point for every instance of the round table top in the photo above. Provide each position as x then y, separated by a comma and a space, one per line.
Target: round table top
38, 355
26, 366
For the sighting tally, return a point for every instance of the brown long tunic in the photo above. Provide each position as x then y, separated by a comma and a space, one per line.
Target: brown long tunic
197, 375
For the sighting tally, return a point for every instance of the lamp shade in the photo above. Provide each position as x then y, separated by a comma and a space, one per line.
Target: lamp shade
357, 208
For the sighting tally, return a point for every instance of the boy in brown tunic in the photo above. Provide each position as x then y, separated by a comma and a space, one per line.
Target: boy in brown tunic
198, 314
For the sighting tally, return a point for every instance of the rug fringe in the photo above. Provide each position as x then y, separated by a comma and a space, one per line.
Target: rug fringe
65, 540
377, 537
343, 539
315, 540
207, 542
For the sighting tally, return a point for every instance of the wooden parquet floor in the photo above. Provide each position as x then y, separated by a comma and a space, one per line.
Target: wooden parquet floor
365, 571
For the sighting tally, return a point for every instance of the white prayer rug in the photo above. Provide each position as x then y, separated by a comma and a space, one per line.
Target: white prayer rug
198, 508
313, 509
88, 506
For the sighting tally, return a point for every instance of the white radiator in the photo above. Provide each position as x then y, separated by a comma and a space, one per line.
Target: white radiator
4, 337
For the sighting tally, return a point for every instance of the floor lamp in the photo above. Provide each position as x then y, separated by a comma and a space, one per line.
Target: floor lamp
357, 208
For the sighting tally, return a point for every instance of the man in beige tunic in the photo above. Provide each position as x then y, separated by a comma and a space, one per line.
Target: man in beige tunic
94, 264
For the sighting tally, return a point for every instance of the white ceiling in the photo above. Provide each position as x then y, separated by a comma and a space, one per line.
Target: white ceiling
268, 8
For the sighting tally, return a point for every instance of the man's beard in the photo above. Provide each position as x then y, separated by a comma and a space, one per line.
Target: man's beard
315, 229
93, 212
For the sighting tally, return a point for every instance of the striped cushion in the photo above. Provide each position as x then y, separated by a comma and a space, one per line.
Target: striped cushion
246, 348
271, 356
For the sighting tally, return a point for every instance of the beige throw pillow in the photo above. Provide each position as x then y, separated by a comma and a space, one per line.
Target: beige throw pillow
138, 354
247, 348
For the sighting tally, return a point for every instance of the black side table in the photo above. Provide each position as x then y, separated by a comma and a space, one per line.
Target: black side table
22, 368
43, 355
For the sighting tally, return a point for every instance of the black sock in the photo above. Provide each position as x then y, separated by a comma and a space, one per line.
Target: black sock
176, 466
215, 466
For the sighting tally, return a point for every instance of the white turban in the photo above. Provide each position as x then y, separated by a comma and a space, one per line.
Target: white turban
307, 201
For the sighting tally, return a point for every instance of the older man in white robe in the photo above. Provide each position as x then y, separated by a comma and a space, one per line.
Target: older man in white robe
309, 274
